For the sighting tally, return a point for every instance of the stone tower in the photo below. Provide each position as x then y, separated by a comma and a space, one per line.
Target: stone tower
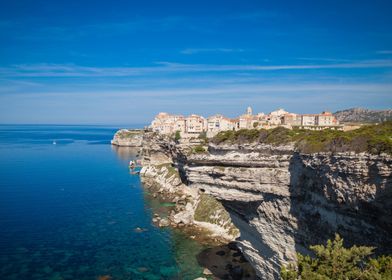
249, 111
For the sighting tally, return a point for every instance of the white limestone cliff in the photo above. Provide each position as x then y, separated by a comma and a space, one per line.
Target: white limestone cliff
128, 138
281, 201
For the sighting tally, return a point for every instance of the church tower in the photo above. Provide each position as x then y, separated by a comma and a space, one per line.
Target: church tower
249, 111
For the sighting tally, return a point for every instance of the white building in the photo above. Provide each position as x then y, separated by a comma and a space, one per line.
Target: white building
278, 113
247, 120
165, 123
195, 124
308, 120
326, 119
291, 119
218, 123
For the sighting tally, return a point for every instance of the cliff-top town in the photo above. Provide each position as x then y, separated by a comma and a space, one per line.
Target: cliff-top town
165, 123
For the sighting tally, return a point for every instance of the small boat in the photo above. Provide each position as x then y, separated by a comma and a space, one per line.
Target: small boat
132, 164
54, 143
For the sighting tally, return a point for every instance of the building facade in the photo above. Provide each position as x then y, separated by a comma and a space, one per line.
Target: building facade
218, 123
165, 123
326, 119
192, 125
291, 119
308, 120
195, 124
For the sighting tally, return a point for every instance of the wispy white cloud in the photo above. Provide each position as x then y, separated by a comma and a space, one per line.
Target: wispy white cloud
70, 70
324, 59
228, 90
140, 104
204, 50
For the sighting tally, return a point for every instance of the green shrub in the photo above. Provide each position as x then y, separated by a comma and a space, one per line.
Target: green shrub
177, 136
224, 136
199, 149
171, 170
211, 211
374, 139
333, 261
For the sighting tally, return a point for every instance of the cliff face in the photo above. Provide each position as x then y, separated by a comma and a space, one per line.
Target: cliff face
280, 200
160, 159
128, 138
283, 201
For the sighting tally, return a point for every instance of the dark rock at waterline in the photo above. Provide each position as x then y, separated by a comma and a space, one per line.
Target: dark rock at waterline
232, 246
221, 253
237, 273
222, 263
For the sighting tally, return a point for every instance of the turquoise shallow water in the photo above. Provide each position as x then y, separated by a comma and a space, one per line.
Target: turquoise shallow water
70, 210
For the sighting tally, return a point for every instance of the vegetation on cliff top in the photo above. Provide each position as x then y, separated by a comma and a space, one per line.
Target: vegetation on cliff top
333, 261
374, 139
170, 170
199, 149
124, 133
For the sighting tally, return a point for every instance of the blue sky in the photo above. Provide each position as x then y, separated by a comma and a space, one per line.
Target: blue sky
121, 62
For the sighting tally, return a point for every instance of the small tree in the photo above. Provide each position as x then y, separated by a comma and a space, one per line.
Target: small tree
177, 136
199, 149
333, 261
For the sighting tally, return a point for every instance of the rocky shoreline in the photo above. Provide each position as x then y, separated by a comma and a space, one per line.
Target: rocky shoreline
187, 213
192, 207
273, 200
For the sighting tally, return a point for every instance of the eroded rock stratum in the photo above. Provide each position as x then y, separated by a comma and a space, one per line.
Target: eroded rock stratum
281, 200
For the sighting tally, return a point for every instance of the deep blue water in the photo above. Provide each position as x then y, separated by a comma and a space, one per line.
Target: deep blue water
69, 210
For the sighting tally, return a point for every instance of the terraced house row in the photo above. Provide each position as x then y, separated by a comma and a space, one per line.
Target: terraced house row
194, 124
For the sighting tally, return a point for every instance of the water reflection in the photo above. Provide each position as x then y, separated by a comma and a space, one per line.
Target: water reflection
126, 153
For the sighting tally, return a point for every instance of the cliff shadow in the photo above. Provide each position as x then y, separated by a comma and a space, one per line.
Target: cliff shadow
323, 202
226, 262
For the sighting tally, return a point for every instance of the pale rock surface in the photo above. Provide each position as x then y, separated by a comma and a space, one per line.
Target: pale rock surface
280, 200
128, 138
283, 201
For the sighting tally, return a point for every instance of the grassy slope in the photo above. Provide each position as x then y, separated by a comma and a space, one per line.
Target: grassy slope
374, 139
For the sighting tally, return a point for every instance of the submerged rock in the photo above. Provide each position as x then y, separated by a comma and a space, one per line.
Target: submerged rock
104, 277
142, 269
139, 230
164, 222
206, 271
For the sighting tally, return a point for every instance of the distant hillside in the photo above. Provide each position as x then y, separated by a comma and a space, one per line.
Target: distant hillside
363, 115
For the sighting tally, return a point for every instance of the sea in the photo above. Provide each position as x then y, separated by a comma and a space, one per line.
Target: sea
70, 209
